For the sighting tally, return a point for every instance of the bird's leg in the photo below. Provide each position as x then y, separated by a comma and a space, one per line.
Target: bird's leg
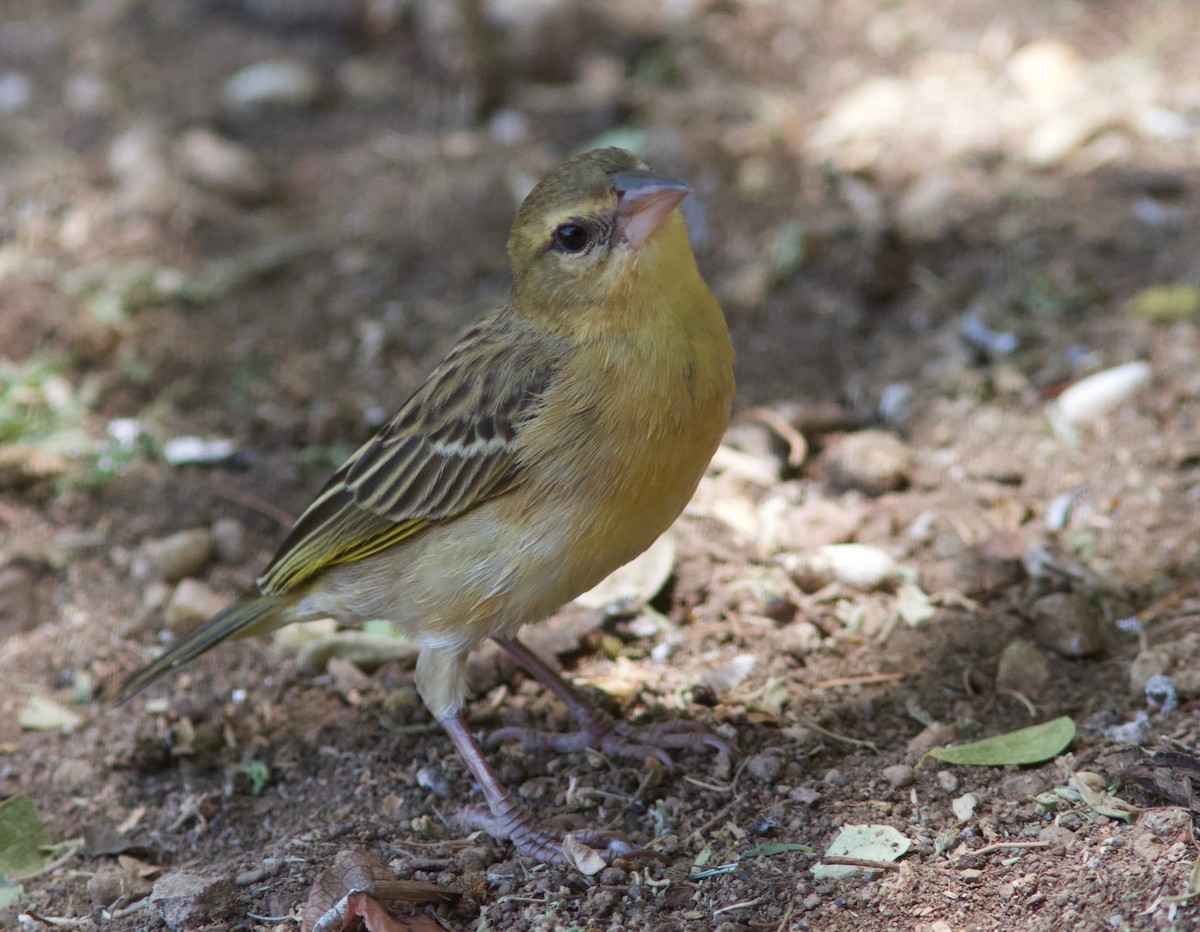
508, 819
597, 728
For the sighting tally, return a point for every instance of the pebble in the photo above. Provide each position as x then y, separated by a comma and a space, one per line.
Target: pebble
835, 777
964, 806
74, 775
137, 159
798, 639
191, 603
474, 859
16, 92
1057, 835
856, 565
765, 767
111, 883
948, 780
1147, 665
1020, 786
1023, 668
1089, 399
1068, 624
818, 522
282, 82
925, 209
871, 461
931, 737
186, 900
899, 775
1168, 824
1046, 70
229, 540
171, 558
222, 166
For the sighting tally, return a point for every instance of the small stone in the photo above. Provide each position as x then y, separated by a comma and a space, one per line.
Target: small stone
1088, 400
282, 82
172, 558
191, 603
1021, 786
224, 167
765, 767
964, 806
74, 775
817, 522
1057, 835
899, 775
474, 859
16, 92
1187, 683
835, 777
186, 900
1147, 665
1046, 70
1023, 668
931, 736
229, 540
1170, 825
871, 461
1068, 624
924, 211
137, 159
948, 781
111, 883
856, 565
798, 638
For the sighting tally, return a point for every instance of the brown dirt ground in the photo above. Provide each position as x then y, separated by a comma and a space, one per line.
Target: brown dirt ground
846, 260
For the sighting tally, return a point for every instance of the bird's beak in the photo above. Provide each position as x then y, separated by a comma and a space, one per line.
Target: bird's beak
644, 201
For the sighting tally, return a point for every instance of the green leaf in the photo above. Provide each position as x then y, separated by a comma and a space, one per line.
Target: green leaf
1166, 303
1030, 745
10, 893
23, 835
772, 848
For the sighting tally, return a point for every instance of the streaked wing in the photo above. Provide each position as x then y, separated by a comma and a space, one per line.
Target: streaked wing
452, 446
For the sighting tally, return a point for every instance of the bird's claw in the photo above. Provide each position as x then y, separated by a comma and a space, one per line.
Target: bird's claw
618, 739
546, 844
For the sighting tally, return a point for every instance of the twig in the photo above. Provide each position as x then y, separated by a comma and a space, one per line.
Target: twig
787, 917
1003, 846
865, 679
261, 505
1023, 699
857, 742
839, 860
709, 786
797, 444
742, 905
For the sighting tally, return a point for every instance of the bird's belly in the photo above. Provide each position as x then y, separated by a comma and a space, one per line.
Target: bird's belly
486, 573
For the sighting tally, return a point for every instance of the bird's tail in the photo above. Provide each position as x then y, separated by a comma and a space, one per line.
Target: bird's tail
241, 618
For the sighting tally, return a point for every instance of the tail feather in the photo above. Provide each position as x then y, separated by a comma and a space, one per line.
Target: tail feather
238, 619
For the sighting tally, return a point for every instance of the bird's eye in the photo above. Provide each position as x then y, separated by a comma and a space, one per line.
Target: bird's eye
570, 237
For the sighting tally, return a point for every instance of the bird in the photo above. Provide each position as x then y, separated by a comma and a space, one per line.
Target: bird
559, 438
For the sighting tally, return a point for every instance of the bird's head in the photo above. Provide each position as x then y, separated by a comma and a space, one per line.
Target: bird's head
596, 232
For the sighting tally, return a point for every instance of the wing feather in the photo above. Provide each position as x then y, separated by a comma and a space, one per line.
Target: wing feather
453, 445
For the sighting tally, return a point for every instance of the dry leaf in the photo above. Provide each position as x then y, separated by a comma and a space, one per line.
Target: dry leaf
353, 887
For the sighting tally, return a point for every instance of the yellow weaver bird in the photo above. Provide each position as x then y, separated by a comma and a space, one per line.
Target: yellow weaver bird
557, 440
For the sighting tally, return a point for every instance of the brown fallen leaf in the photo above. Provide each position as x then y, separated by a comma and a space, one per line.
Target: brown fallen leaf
356, 886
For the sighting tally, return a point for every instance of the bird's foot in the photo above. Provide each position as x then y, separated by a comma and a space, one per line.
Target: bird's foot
604, 733
547, 844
